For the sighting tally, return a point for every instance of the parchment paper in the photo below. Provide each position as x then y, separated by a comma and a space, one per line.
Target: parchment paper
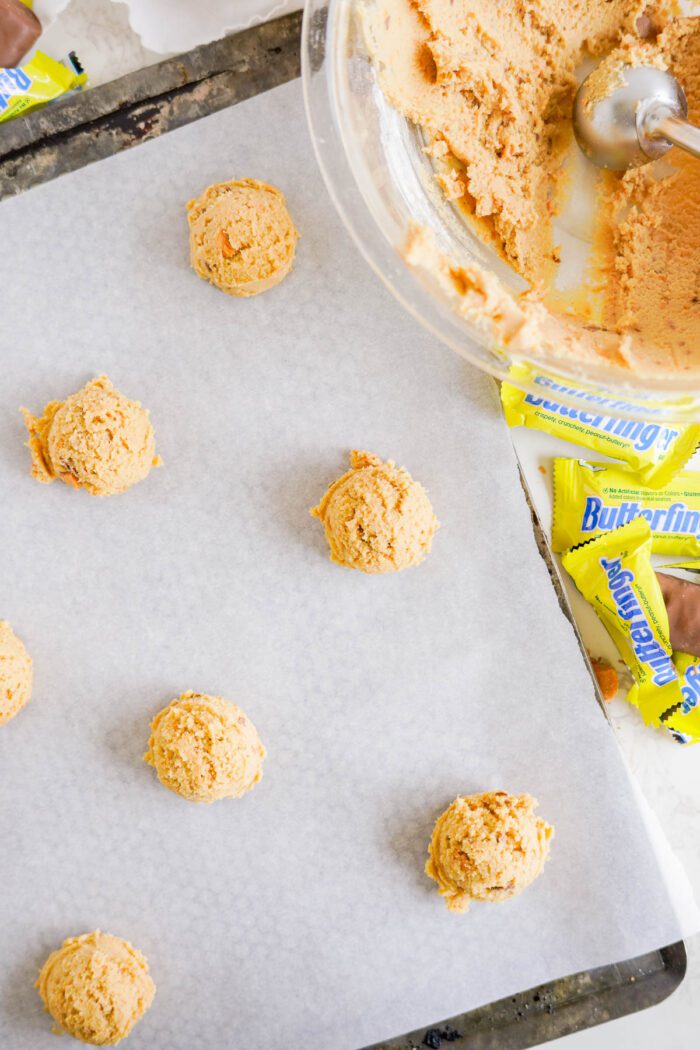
298, 916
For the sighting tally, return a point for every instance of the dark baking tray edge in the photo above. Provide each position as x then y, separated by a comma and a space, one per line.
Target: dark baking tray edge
113, 117
150, 102
561, 1007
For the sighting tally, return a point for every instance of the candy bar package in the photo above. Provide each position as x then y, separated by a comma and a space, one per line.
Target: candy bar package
651, 449
591, 498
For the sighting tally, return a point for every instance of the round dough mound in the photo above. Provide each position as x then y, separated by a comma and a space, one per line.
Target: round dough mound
96, 987
242, 238
205, 748
487, 847
15, 673
96, 439
376, 517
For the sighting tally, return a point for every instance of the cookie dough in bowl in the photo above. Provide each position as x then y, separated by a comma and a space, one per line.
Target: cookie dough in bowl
377, 518
491, 87
205, 748
96, 987
444, 131
97, 440
15, 673
487, 847
242, 237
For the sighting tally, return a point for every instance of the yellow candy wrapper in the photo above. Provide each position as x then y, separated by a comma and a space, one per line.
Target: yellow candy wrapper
590, 498
614, 573
37, 82
684, 722
652, 449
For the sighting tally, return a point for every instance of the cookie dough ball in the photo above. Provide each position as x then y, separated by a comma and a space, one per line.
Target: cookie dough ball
15, 673
97, 440
96, 987
376, 517
488, 848
205, 748
242, 238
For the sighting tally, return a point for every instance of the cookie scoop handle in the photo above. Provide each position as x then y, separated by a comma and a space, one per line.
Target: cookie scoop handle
676, 130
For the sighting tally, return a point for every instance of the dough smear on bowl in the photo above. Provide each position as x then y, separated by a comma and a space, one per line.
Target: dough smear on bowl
650, 236
97, 440
487, 847
96, 987
15, 673
377, 518
205, 748
242, 237
491, 86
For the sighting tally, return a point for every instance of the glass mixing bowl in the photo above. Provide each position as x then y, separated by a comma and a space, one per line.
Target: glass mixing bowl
380, 179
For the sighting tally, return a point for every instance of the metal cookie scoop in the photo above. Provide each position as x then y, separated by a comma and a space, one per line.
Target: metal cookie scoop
639, 120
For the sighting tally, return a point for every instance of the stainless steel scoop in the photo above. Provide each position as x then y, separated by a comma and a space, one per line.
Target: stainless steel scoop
640, 120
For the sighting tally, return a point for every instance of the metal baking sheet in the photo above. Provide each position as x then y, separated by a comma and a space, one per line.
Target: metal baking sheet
557, 1008
211, 570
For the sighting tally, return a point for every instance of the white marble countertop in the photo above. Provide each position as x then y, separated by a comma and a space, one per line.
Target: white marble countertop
668, 774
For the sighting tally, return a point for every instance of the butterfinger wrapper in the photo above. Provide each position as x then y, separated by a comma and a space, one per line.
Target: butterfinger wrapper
653, 450
614, 573
684, 721
590, 498
37, 82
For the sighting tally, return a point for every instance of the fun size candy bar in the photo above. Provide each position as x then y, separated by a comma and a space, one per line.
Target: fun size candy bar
590, 498
651, 448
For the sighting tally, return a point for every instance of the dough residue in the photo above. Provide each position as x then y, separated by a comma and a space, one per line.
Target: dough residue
609, 74
377, 518
492, 86
487, 847
96, 987
242, 237
205, 748
97, 440
15, 673
651, 239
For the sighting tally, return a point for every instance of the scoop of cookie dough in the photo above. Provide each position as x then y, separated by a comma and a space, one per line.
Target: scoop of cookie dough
97, 440
487, 847
376, 517
96, 987
242, 238
15, 673
205, 748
